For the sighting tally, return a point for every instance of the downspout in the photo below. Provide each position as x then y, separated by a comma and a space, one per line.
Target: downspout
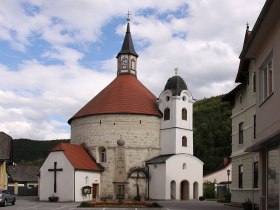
74, 184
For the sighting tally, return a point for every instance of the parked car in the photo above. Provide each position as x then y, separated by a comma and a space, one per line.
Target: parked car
6, 197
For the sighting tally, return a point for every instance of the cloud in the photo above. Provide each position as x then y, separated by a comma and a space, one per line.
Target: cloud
202, 38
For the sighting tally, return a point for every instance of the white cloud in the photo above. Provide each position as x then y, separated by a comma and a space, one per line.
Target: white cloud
37, 99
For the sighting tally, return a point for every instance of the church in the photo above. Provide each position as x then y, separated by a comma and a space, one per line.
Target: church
126, 143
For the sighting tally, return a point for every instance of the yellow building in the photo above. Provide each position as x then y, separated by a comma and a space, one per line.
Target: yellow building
5, 156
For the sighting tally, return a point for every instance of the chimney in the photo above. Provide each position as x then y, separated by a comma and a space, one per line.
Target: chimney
225, 161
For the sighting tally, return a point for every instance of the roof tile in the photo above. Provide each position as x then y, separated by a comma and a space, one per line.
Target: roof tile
77, 156
126, 95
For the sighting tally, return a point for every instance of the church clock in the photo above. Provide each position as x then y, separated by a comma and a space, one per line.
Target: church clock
124, 62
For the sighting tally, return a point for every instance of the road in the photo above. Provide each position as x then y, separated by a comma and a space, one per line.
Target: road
26, 203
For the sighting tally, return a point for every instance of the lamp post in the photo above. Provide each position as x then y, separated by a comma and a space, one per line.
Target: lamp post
228, 173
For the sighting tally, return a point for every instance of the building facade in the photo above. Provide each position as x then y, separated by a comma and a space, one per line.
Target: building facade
5, 158
124, 127
261, 54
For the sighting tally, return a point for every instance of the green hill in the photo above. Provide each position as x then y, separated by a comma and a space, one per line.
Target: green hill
26, 151
212, 131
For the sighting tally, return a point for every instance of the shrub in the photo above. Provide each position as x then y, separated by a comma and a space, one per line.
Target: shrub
84, 204
201, 198
209, 189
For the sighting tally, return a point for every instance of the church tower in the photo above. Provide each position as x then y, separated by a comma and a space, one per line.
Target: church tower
127, 57
176, 105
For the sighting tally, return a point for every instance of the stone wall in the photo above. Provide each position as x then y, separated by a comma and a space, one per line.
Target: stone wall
142, 142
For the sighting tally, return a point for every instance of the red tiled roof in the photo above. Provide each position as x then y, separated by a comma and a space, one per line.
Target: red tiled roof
77, 156
125, 94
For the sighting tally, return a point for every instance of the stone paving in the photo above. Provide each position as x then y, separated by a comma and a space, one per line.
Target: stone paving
32, 203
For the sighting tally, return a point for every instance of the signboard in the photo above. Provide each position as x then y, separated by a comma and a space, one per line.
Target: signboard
86, 190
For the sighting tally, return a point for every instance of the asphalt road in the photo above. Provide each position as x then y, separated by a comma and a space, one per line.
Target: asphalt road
25, 203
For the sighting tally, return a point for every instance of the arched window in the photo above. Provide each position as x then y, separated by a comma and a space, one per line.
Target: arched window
184, 165
167, 114
103, 155
184, 114
184, 141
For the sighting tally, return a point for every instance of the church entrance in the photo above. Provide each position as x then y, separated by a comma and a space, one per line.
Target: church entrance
185, 190
173, 190
95, 188
195, 190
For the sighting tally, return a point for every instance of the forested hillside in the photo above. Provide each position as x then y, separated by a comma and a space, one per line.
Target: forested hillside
212, 131
212, 136
26, 151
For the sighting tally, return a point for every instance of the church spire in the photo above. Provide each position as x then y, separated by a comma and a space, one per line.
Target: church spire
127, 56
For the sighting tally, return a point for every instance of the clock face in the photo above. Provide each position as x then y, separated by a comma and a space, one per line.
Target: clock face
124, 62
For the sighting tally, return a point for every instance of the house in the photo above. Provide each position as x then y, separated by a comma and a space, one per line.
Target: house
243, 99
23, 179
5, 158
221, 176
69, 173
262, 52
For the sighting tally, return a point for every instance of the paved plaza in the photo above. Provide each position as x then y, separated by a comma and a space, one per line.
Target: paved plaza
32, 203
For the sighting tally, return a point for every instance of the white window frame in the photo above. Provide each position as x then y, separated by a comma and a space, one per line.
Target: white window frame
267, 77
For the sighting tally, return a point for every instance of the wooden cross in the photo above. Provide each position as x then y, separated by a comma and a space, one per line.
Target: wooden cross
55, 169
128, 14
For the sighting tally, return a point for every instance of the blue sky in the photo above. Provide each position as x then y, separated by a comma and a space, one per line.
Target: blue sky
57, 55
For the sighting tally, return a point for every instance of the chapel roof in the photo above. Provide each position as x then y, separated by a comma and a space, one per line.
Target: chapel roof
124, 95
176, 85
159, 159
78, 156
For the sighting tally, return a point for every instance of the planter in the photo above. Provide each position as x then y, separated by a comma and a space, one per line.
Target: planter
53, 199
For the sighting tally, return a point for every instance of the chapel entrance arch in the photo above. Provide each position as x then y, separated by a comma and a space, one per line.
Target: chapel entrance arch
173, 190
195, 190
185, 190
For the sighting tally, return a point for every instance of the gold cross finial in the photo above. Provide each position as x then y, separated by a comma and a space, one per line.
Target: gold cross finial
128, 14
176, 70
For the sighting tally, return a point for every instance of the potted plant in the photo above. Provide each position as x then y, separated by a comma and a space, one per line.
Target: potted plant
53, 198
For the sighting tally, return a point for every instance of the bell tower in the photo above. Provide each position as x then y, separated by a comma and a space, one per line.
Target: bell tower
176, 127
127, 57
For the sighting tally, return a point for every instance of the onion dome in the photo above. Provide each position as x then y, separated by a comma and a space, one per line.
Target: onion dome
176, 85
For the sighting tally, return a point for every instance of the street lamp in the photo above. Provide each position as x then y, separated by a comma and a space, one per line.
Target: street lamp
228, 173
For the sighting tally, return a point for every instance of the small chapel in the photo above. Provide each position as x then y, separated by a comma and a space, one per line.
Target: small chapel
126, 143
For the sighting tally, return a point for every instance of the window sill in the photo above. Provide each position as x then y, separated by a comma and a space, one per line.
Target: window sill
268, 97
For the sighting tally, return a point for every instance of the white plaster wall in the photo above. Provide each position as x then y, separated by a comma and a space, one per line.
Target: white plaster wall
219, 176
167, 141
192, 173
80, 181
157, 181
179, 148
243, 112
65, 178
174, 129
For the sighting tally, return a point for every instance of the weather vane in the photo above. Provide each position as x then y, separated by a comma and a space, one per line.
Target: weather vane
247, 26
128, 14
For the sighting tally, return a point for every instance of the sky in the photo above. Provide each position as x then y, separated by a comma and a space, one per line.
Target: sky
56, 55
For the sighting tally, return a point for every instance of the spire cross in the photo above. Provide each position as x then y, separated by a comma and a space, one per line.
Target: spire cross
247, 26
176, 70
128, 14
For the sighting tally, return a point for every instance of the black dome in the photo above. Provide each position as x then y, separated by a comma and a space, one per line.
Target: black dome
176, 84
